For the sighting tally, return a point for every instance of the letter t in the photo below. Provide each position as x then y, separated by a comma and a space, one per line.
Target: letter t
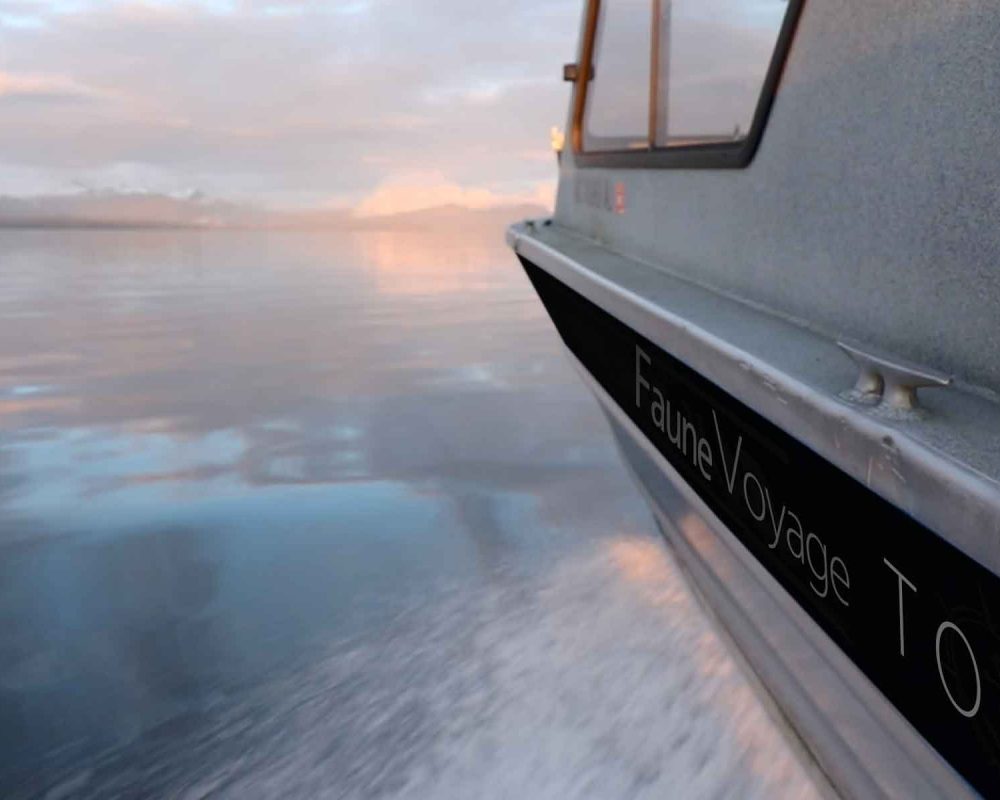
901, 581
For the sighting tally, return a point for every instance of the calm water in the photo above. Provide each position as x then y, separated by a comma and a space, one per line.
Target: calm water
330, 515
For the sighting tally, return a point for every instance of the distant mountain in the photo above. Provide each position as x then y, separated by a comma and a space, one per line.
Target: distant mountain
108, 209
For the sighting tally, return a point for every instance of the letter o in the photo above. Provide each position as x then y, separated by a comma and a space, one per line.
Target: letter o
937, 652
760, 494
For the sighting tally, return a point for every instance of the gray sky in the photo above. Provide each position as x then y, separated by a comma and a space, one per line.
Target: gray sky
383, 103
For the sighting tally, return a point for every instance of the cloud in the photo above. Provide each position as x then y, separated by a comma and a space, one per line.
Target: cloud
412, 191
43, 88
284, 102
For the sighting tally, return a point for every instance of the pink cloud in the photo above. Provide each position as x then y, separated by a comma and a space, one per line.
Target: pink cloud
419, 189
41, 85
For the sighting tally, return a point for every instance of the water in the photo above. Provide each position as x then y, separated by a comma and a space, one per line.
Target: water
331, 515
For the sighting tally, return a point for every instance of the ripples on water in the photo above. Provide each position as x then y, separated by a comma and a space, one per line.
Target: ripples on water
331, 515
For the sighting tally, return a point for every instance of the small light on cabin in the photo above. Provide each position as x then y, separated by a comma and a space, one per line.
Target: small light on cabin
558, 138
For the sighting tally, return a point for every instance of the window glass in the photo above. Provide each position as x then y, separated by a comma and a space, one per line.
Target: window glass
618, 95
714, 69
678, 72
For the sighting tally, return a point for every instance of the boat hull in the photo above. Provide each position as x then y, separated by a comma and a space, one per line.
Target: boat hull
771, 535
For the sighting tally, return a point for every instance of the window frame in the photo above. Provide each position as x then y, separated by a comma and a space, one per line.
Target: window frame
716, 155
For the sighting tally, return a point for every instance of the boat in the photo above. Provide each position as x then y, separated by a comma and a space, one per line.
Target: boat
773, 259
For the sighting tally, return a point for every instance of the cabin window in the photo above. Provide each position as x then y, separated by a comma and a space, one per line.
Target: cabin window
618, 109
671, 74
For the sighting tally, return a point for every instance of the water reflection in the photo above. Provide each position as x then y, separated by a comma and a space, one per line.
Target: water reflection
227, 458
218, 446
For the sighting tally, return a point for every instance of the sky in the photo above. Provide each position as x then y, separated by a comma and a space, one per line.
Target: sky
377, 105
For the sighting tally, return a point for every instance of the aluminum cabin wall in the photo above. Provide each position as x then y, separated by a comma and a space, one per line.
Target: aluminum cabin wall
872, 207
